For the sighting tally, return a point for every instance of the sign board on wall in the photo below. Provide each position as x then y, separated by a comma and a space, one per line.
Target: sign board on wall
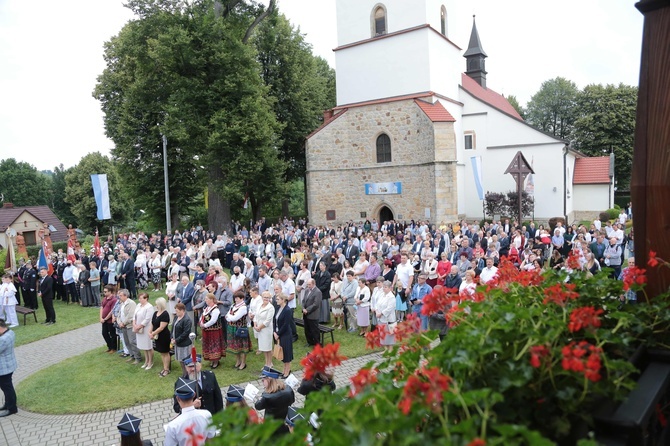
391, 188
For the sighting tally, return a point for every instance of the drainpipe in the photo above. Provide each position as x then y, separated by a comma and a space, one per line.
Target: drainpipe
565, 182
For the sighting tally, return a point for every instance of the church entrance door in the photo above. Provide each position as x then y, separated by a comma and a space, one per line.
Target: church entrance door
385, 214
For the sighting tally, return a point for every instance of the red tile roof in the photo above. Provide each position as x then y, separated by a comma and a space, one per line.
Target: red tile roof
331, 117
41, 213
594, 170
489, 96
435, 112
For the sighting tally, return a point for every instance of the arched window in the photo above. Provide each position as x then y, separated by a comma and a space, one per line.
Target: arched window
383, 148
379, 21
443, 21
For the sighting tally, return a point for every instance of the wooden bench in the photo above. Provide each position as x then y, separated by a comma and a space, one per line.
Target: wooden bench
323, 330
25, 312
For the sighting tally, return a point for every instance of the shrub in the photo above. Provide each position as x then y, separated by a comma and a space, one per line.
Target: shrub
613, 213
494, 203
604, 217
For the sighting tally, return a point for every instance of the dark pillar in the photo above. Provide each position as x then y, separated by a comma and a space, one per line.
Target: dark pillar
650, 185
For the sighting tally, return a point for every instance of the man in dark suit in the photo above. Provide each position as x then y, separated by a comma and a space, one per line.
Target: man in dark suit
208, 392
29, 286
47, 294
311, 308
128, 275
351, 252
184, 294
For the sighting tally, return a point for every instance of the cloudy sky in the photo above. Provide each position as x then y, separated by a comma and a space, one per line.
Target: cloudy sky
51, 53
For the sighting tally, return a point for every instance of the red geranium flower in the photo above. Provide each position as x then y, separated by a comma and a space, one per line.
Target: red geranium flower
582, 358
407, 328
363, 378
253, 417
634, 276
560, 293
374, 338
319, 359
194, 439
585, 317
426, 385
653, 260
477, 442
537, 352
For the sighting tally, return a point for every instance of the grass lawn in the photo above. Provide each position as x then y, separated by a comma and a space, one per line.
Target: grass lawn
97, 381
68, 317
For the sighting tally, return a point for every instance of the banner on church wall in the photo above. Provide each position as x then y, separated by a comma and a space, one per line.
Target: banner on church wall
392, 188
477, 170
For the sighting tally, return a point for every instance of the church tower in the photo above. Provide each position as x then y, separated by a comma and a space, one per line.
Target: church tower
393, 48
475, 55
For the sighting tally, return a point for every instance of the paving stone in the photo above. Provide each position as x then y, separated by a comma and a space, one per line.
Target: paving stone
27, 429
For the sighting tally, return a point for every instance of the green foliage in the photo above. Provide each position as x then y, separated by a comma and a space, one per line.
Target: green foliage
301, 84
514, 102
606, 123
613, 213
79, 192
60, 207
3, 258
504, 373
23, 185
552, 108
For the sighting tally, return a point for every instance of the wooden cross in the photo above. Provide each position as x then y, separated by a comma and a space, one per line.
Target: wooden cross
519, 169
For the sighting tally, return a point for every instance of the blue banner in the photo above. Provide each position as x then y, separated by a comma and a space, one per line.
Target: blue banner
101, 192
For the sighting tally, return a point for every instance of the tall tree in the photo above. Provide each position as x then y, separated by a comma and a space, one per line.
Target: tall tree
606, 124
514, 102
79, 192
58, 184
552, 108
302, 85
22, 185
186, 71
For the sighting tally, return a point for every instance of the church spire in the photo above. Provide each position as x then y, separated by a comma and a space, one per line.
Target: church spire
475, 55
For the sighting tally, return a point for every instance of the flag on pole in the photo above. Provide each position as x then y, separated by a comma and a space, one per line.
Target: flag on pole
101, 193
530, 181
477, 170
10, 261
246, 201
42, 260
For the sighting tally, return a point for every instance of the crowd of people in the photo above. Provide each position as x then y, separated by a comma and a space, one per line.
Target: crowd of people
355, 276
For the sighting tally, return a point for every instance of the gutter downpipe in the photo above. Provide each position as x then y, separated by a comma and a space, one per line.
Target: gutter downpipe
565, 182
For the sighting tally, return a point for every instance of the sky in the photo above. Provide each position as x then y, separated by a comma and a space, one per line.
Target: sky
52, 52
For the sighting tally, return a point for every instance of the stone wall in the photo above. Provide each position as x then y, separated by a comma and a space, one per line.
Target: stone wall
341, 158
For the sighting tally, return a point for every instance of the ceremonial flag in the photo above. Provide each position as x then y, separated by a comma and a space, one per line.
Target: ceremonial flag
10, 261
477, 170
246, 201
101, 192
42, 260
530, 181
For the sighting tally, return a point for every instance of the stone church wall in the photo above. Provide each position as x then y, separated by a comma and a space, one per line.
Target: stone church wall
341, 158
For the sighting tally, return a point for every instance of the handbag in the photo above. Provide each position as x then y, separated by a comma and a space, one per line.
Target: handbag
242, 332
278, 352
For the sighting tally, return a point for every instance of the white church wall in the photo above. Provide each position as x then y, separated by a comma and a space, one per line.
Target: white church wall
446, 65
398, 64
591, 197
354, 17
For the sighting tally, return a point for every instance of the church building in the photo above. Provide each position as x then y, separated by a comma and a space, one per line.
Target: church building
413, 136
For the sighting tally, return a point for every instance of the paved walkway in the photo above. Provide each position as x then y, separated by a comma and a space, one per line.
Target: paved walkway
27, 428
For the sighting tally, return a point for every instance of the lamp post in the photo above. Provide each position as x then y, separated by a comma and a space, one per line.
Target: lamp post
167, 189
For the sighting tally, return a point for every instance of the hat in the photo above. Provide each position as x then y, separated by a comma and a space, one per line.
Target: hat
269, 372
43, 268
185, 388
187, 362
129, 425
235, 394
29, 262
293, 416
